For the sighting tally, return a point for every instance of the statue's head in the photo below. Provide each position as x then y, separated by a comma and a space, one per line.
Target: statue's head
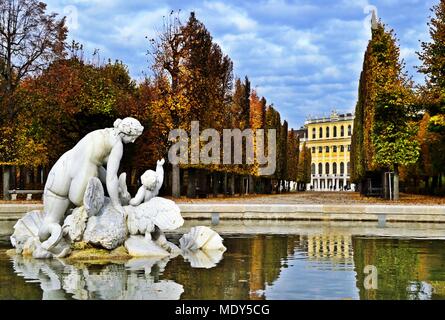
129, 128
149, 179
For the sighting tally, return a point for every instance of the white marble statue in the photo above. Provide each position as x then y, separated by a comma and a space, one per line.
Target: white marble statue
76, 208
98, 154
151, 184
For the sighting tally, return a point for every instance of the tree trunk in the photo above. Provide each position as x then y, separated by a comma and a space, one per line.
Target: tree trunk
241, 185
191, 189
251, 185
21, 177
232, 185
215, 181
6, 177
396, 183
434, 185
386, 193
426, 180
176, 181
225, 184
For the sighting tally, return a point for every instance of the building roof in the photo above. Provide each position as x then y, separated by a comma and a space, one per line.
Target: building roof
333, 118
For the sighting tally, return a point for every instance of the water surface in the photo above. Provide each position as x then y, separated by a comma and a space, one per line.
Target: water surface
314, 261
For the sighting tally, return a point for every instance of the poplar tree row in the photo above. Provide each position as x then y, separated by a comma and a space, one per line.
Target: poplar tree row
47, 107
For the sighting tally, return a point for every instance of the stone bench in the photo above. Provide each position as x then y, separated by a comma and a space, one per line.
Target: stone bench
28, 193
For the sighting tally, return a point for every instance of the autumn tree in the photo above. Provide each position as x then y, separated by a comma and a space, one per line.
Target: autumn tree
304, 167
284, 130
394, 128
384, 136
293, 152
29, 39
257, 111
359, 163
433, 66
195, 78
240, 111
273, 122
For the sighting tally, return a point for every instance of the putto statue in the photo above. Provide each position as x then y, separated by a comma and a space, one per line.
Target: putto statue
76, 209
151, 184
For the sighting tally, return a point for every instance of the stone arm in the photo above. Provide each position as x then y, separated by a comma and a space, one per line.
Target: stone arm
112, 169
160, 174
139, 198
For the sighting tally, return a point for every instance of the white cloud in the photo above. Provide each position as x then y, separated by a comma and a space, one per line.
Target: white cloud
305, 57
223, 14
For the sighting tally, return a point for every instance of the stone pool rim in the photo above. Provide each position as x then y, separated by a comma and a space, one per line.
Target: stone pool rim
318, 212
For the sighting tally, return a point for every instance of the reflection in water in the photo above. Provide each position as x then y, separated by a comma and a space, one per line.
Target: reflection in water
203, 259
407, 269
137, 279
320, 265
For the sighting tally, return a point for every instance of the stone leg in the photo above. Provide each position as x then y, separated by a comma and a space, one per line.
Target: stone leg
51, 231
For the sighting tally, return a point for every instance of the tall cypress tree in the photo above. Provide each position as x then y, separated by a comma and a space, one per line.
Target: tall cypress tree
384, 133
433, 66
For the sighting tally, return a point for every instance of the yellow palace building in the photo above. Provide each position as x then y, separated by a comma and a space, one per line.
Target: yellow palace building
329, 140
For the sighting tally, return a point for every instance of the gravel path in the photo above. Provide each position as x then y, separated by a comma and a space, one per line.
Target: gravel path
303, 198
320, 198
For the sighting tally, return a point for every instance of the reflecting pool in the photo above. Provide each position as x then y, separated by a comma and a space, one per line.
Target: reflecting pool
274, 260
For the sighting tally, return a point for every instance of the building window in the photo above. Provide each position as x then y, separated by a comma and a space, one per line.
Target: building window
342, 168
314, 133
342, 148
342, 132
313, 149
349, 148
335, 131
348, 168
327, 168
320, 168
321, 133
328, 132
349, 130
327, 149
320, 149
335, 149
334, 168
313, 169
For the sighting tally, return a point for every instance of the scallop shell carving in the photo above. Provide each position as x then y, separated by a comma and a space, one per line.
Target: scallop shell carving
202, 238
27, 227
160, 212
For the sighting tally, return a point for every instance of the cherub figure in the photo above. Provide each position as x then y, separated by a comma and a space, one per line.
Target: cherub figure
151, 184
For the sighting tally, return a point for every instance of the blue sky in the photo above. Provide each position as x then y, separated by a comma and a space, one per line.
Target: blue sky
305, 57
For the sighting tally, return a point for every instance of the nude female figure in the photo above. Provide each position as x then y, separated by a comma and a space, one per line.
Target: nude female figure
68, 179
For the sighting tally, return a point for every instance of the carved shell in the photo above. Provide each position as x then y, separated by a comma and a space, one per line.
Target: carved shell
27, 227
160, 212
202, 238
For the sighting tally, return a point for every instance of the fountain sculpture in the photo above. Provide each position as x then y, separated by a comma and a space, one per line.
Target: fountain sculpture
76, 210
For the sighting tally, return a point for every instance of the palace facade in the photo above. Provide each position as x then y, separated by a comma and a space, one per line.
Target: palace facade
329, 140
